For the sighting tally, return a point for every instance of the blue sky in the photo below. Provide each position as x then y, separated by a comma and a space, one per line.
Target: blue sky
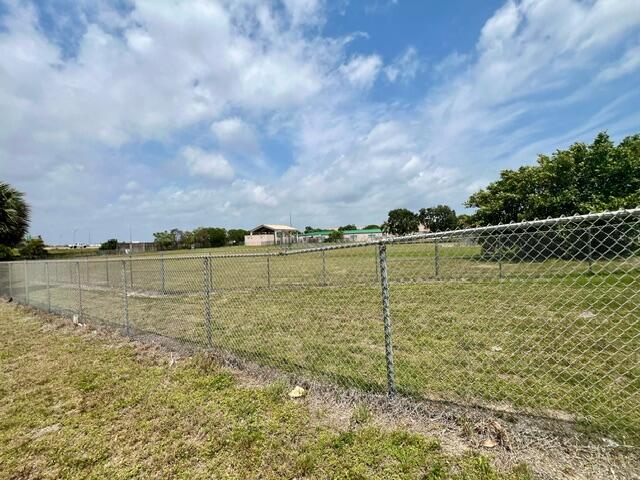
162, 114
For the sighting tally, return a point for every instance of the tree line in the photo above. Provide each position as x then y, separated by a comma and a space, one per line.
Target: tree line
580, 179
202, 237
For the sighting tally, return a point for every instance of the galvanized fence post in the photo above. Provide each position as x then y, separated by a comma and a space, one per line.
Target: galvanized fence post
207, 298
46, 273
386, 317
87, 269
26, 284
130, 272
125, 297
106, 269
590, 250
268, 271
500, 274
10, 281
377, 262
437, 259
162, 284
324, 268
80, 314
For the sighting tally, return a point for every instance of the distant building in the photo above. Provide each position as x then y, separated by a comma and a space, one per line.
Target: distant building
136, 247
271, 234
358, 235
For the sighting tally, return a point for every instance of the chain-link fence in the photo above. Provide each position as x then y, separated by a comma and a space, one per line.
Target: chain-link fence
540, 317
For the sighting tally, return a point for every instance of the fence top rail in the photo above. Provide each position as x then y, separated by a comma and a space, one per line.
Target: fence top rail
625, 213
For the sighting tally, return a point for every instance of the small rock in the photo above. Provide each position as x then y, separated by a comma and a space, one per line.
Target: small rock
587, 314
610, 443
43, 431
297, 392
496, 349
488, 443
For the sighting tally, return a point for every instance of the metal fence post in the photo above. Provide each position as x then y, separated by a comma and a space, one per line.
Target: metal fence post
268, 271
10, 281
87, 269
590, 250
80, 315
106, 269
386, 317
26, 284
162, 284
207, 298
500, 274
130, 272
125, 297
324, 268
437, 259
46, 273
377, 266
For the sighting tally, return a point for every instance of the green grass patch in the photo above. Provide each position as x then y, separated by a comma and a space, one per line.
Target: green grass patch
81, 406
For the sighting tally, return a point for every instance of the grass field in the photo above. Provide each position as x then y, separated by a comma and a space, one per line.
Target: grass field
556, 337
86, 406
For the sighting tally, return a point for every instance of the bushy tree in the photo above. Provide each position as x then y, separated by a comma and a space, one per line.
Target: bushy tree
466, 221
165, 240
438, 219
8, 253
235, 236
14, 215
111, 244
350, 226
33, 248
401, 222
371, 227
582, 179
335, 236
206, 237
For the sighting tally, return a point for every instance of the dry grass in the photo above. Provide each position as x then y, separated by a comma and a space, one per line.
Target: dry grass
79, 404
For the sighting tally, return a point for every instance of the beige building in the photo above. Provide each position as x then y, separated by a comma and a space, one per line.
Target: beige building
271, 234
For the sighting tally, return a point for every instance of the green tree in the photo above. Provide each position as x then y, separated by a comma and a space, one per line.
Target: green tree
466, 221
235, 236
401, 222
335, 236
185, 239
14, 215
205, 237
309, 229
438, 219
8, 253
350, 226
111, 244
165, 240
372, 226
33, 248
583, 178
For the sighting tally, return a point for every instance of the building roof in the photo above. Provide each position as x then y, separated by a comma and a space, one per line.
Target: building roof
275, 227
321, 233
362, 230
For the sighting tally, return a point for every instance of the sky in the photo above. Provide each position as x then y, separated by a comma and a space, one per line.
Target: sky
150, 115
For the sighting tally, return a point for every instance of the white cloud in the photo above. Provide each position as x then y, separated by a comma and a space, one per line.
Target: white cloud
362, 70
304, 11
235, 135
211, 165
405, 67
235, 76
628, 63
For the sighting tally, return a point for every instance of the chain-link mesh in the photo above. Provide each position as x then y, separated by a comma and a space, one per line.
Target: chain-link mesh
540, 317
